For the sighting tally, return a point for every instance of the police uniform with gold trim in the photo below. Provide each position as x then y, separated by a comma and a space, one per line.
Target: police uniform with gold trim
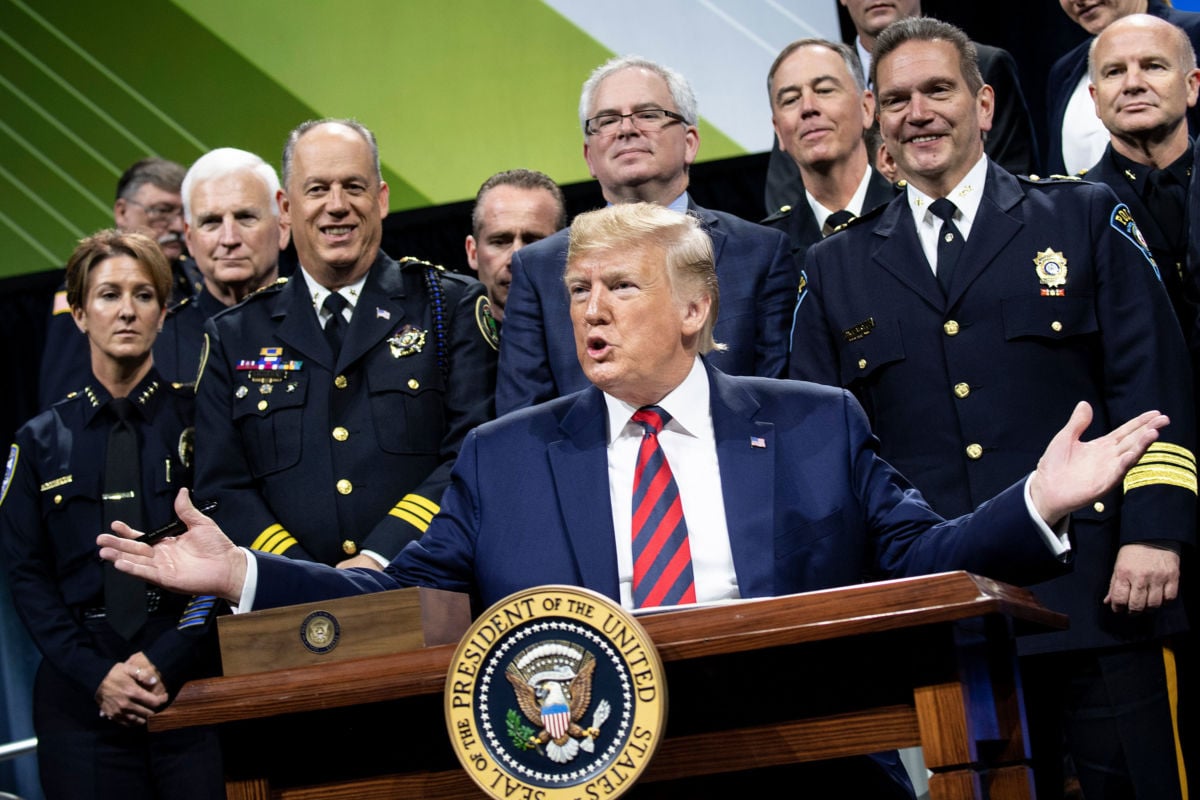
1053, 300
50, 513
320, 459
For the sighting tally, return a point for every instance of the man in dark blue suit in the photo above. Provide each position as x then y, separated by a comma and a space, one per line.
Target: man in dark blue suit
779, 482
640, 138
821, 108
1076, 137
966, 337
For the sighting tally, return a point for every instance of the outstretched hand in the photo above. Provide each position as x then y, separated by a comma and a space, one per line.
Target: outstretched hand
201, 561
1072, 473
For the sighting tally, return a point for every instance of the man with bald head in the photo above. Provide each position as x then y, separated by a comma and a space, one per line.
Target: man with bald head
1144, 82
1077, 137
331, 405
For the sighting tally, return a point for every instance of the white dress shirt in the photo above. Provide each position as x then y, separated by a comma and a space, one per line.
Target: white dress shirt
1084, 136
966, 196
318, 293
855, 206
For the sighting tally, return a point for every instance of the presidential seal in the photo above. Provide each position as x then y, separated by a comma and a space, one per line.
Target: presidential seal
320, 632
555, 693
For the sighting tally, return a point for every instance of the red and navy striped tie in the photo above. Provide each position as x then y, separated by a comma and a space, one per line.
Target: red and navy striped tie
662, 558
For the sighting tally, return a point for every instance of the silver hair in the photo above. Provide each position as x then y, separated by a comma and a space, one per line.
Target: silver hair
228, 161
681, 92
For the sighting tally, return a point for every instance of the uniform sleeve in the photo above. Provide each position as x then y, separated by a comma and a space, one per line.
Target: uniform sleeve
32, 576
1146, 367
775, 305
222, 472
175, 651
524, 377
470, 390
813, 355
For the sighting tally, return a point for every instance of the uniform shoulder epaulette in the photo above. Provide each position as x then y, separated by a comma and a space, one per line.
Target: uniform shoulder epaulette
1038, 179
175, 308
870, 215
782, 213
413, 261
183, 387
270, 288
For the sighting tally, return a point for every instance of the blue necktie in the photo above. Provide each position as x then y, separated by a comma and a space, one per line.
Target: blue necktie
950, 241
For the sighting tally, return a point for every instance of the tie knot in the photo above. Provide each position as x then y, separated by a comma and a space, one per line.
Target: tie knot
122, 408
943, 209
335, 303
652, 418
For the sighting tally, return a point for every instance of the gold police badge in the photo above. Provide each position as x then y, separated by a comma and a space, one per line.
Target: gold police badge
1051, 268
406, 341
557, 693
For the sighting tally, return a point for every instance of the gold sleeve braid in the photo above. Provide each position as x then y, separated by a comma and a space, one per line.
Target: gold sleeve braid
1163, 464
416, 511
274, 539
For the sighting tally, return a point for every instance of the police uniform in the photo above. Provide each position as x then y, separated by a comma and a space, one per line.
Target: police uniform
66, 358
320, 459
50, 514
177, 348
1054, 300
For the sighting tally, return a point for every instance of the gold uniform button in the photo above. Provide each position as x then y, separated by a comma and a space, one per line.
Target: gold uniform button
862, 363
344, 486
262, 405
414, 384
341, 434
1056, 326
1098, 507
951, 327
349, 547
961, 390
341, 382
58, 499
974, 451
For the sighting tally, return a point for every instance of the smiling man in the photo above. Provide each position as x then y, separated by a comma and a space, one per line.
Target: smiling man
821, 109
332, 405
969, 316
639, 122
233, 231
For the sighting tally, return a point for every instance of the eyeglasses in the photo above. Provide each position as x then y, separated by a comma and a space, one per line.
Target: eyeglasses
645, 120
159, 212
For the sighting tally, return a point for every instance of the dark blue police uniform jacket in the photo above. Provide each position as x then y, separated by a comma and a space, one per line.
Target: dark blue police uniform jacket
52, 512
755, 276
965, 391
320, 459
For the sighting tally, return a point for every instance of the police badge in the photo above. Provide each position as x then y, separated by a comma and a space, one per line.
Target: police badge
557, 693
1051, 268
406, 341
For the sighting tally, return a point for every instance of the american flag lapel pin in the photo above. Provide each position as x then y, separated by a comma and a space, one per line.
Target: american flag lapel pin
382, 313
758, 441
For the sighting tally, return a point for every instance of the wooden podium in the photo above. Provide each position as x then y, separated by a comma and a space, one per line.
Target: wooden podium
924, 661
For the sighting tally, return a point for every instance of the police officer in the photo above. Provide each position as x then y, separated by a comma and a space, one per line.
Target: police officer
970, 315
113, 652
331, 405
147, 202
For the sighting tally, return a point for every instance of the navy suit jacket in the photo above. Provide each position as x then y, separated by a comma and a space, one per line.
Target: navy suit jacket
757, 283
815, 508
1066, 72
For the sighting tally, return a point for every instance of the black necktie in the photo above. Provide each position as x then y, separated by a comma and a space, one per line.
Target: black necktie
1166, 199
950, 241
335, 326
124, 595
835, 221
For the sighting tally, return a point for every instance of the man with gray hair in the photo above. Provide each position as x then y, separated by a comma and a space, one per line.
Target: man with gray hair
639, 139
821, 109
232, 228
512, 209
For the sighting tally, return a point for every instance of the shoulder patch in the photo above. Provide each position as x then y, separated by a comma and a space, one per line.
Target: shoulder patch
14, 453
1122, 221
487, 322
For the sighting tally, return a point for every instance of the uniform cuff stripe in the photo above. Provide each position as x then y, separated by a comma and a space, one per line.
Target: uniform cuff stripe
421, 523
1160, 475
1172, 449
421, 504
274, 539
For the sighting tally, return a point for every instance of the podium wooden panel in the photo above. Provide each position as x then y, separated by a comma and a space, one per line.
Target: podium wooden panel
924, 661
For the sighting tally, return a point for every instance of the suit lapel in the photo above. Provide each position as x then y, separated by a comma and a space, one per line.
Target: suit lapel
746, 457
579, 463
377, 313
298, 327
899, 252
712, 225
993, 228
